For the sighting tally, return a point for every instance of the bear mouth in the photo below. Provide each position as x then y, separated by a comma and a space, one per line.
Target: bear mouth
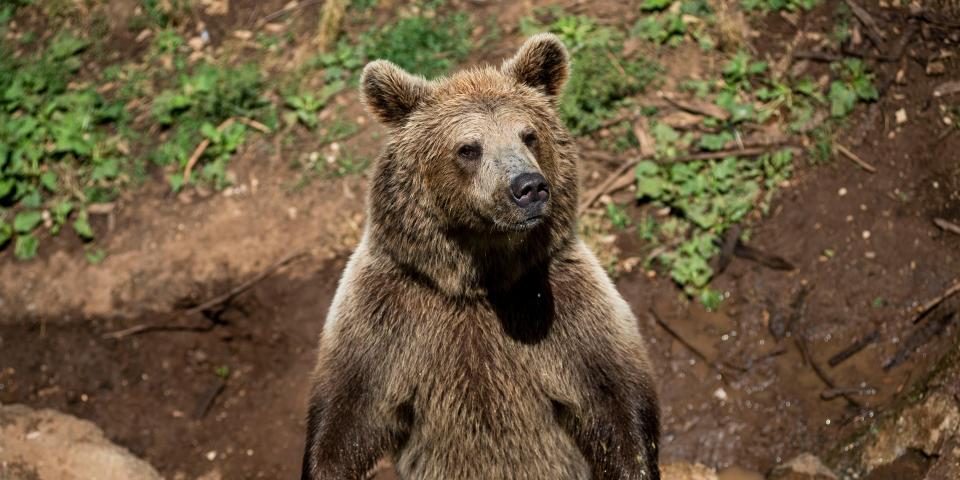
530, 222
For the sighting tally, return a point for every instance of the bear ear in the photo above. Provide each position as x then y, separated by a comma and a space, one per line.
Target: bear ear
390, 93
542, 63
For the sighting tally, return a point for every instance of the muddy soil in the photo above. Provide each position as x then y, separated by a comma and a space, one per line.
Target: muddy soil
232, 398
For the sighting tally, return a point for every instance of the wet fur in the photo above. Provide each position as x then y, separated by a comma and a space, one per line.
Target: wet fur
463, 348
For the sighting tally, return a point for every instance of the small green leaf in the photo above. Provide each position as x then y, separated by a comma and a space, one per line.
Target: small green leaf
842, 99
49, 180
655, 5
6, 232
176, 181
82, 226
95, 255
26, 247
711, 299
26, 221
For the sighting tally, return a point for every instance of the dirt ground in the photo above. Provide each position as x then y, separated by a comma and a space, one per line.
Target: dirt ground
232, 397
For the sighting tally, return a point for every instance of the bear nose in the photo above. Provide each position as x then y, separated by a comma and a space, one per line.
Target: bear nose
529, 189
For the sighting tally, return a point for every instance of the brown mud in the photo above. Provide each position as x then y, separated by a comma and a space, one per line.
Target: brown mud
232, 399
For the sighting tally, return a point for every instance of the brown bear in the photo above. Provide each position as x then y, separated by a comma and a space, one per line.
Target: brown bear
473, 334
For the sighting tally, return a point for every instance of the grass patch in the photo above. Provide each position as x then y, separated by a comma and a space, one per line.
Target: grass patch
603, 79
57, 153
191, 109
428, 44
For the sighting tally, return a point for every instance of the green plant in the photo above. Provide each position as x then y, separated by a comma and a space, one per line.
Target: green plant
602, 79
672, 26
305, 106
55, 149
855, 83
10, 7
427, 44
705, 199
618, 216
192, 108
778, 5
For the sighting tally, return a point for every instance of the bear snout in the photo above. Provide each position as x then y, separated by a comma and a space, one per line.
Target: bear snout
530, 191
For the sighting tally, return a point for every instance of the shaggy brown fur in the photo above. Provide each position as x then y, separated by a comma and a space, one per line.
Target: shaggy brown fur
468, 339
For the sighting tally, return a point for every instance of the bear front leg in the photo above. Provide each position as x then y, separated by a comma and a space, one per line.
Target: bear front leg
618, 428
345, 436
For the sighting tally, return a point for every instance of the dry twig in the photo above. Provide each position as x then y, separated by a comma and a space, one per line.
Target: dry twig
872, 30
207, 305
198, 152
854, 348
696, 352
202, 147
947, 226
283, 11
855, 158
929, 305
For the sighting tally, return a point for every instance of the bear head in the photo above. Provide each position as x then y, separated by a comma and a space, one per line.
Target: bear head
477, 183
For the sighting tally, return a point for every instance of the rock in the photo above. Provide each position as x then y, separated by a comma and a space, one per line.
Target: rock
925, 426
49, 445
901, 116
687, 471
936, 68
803, 467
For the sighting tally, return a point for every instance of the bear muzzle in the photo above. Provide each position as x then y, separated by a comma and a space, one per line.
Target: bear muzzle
531, 192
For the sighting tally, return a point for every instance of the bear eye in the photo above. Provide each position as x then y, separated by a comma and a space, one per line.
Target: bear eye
530, 139
469, 152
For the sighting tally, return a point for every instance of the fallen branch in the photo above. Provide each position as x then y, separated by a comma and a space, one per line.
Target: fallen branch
920, 337
818, 56
853, 157
854, 348
832, 393
254, 124
207, 305
808, 359
283, 11
929, 305
947, 226
700, 108
676, 336
198, 152
624, 170
872, 30
202, 147
206, 402
243, 287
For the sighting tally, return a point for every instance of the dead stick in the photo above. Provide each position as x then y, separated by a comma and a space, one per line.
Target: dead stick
808, 359
854, 348
207, 401
947, 226
254, 124
832, 393
226, 297
138, 329
855, 158
696, 352
198, 152
922, 310
218, 300
283, 11
873, 31
597, 192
